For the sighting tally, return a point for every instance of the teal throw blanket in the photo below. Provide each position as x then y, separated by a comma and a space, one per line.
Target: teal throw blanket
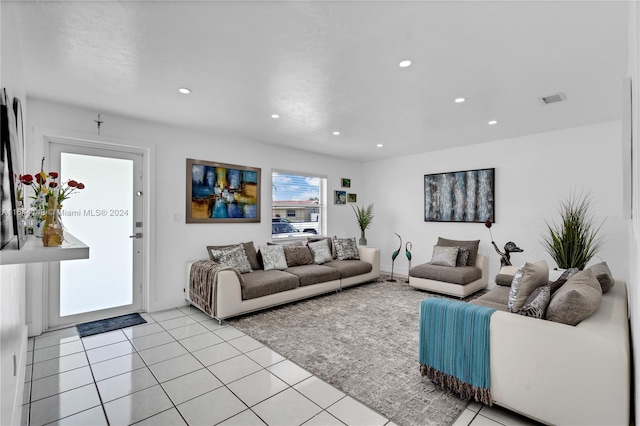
454, 347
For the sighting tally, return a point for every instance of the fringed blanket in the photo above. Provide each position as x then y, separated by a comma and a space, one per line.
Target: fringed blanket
454, 347
203, 284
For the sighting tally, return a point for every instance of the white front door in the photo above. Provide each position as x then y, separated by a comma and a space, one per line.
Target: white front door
107, 215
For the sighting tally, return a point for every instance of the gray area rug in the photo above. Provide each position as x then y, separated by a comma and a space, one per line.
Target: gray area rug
363, 341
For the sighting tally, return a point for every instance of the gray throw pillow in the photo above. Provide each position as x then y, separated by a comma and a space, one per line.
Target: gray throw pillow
463, 256
444, 256
273, 257
603, 274
320, 251
234, 257
526, 279
471, 245
297, 256
576, 300
332, 249
537, 303
346, 248
249, 250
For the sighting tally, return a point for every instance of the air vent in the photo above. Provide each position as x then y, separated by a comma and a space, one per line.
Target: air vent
558, 97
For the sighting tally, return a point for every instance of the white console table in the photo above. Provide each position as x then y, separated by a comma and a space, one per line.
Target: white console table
34, 252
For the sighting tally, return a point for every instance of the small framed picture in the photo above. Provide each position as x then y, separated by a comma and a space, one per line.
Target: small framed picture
340, 197
346, 183
352, 198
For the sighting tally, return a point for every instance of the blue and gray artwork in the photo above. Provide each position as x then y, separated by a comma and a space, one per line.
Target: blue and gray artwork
459, 196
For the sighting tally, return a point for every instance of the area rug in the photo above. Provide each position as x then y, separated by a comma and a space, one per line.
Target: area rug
109, 324
363, 341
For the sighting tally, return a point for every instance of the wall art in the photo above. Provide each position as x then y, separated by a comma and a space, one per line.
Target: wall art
465, 196
340, 197
218, 192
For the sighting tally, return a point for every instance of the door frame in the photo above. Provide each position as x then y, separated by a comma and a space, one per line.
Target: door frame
38, 274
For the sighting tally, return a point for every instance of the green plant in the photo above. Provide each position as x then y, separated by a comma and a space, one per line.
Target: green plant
364, 216
574, 241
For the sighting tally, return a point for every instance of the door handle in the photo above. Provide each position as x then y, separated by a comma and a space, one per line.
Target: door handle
136, 235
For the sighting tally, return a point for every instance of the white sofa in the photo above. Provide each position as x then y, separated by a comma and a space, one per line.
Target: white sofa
229, 300
561, 374
452, 289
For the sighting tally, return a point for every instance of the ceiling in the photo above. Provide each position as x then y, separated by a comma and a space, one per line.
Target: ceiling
327, 66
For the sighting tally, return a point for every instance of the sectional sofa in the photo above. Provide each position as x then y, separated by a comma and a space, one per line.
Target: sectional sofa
230, 293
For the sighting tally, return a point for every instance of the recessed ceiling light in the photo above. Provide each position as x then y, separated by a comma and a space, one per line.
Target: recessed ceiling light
275, 116
459, 100
184, 90
336, 133
405, 63
379, 145
492, 122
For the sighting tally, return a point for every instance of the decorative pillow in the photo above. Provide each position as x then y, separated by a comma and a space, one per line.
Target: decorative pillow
320, 251
332, 249
537, 303
297, 256
346, 248
471, 245
463, 256
568, 273
273, 257
603, 274
444, 256
249, 250
526, 279
235, 257
576, 300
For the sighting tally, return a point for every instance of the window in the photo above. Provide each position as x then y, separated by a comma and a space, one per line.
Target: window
299, 206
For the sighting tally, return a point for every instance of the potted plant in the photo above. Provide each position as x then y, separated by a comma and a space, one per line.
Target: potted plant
364, 216
574, 241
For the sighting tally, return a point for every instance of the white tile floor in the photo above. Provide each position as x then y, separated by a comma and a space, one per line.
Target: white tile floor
184, 368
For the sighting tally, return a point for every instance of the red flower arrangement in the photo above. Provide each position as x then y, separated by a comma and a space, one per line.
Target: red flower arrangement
45, 185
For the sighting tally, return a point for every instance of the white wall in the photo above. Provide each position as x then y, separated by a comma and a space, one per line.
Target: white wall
176, 243
13, 333
533, 173
634, 226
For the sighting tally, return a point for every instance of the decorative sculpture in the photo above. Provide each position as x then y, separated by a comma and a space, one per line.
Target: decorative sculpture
510, 247
407, 251
393, 258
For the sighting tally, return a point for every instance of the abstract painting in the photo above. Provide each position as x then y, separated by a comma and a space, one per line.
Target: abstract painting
465, 196
218, 192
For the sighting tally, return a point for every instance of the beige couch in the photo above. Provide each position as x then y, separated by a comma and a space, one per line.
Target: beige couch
562, 374
238, 294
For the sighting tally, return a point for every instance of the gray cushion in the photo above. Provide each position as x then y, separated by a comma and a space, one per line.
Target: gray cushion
350, 268
321, 251
576, 300
262, 283
331, 248
603, 274
490, 304
504, 280
249, 250
527, 278
460, 275
297, 256
233, 256
499, 295
273, 257
471, 245
444, 256
346, 248
536, 304
313, 274
463, 257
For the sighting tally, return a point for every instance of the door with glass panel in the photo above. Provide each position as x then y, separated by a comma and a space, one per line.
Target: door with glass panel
107, 216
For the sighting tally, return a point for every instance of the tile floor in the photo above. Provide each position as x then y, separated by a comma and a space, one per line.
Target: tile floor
184, 368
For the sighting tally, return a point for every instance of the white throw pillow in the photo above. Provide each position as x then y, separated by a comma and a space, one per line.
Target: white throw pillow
346, 248
273, 257
234, 257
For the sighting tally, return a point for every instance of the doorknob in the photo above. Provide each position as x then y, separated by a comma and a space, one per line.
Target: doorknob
136, 235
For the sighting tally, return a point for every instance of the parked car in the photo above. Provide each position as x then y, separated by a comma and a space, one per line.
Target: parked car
286, 230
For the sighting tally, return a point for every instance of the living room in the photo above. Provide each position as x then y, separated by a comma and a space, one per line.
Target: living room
534, 171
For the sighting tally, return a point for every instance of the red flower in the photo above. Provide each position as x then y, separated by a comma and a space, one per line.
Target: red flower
54, 175
80, 185
26, 179
488, 224
53, 184
40, 179
72, 183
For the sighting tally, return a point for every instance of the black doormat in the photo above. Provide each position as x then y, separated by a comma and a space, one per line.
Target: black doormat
109, 324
